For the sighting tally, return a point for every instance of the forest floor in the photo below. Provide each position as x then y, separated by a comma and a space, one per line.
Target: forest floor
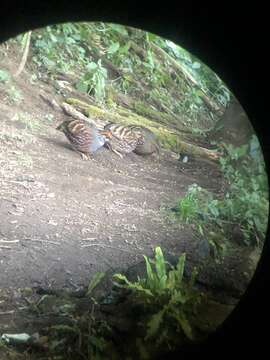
64, 219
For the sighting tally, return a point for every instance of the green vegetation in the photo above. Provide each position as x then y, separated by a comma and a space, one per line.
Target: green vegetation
4, 76
168, 302
158, 314
122, 69
244, 205
94, 80
13, 94
130, 76
128, 59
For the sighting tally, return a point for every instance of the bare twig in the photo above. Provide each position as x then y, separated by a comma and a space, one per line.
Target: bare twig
25, 54
7, 312
70, 110
16, 182
8, 241
50, 101
43, 241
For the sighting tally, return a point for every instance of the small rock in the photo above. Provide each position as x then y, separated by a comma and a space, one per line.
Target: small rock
52, 222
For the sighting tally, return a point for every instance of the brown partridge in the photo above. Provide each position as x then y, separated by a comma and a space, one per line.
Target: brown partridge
149, 144
84, 137
121, 139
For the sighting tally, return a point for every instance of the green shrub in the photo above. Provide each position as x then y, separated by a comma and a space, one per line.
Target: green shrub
245, 202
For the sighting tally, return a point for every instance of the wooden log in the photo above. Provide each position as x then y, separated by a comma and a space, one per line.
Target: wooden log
169, 139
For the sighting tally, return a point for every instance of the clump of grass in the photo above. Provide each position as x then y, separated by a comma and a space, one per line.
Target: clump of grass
9, 134
25, 160
4, 76
14, 95
30, 123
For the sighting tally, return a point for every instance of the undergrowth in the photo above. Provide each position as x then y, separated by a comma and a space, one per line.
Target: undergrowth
159, 308
244, 205
167, 300
105, 53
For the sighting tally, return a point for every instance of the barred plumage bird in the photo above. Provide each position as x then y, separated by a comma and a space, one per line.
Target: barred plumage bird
149, 143
121, 139
125, 139
84, 137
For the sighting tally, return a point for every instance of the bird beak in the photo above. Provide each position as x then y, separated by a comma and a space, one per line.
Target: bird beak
106, 133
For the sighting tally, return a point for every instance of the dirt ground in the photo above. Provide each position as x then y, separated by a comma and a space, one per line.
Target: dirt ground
63, 219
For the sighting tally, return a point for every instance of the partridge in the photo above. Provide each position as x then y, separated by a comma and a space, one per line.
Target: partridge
121, 139
149, 143
84, 137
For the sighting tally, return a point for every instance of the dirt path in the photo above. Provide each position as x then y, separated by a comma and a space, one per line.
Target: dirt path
69, 218
63, 219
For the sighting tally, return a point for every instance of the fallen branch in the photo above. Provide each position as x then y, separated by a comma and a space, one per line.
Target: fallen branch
70, 110
50, 101
172, 140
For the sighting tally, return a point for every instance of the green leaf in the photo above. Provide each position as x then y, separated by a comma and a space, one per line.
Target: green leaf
150, 274
4, 76
121, 277
24, 40
82, 86
184, 323
53, 38
160, 264
154, 324
94, 282
91, 66
118, 28
180, 267
134, 286
124, 49
113, 48
196, 65
172, 280
200, 230
151, 37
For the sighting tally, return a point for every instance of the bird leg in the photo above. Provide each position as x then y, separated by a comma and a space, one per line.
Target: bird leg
118, 153
109, 146
85, 156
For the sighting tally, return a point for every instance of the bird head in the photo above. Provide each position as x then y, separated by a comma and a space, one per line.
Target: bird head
61, 127
107, 133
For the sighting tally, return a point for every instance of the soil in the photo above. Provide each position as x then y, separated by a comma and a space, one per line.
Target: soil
63, 219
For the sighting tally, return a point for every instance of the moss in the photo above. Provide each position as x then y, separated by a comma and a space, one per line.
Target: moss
141, 108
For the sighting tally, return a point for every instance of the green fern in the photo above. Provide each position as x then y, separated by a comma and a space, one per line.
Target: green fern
168, 299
